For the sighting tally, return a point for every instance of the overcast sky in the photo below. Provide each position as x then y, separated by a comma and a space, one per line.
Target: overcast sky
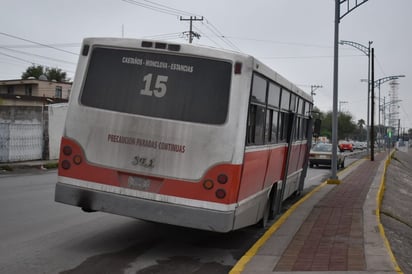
294, 37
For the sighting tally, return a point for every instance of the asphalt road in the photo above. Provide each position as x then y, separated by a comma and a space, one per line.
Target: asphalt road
38, 235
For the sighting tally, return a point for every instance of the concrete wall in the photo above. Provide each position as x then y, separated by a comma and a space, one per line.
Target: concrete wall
21, 114
57, 117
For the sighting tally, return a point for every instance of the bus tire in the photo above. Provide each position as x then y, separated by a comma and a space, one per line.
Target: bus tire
273, 209
263, 223
270, 210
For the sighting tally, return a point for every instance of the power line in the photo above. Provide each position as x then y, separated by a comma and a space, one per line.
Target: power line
305, 57
208, 37
29, 62
15, 57
177, 12
159, 7
37, 55
25, 46
166, 36
181, 12
280, 42
216, 32
37, 43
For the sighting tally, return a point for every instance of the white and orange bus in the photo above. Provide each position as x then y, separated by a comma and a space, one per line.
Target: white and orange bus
181, 134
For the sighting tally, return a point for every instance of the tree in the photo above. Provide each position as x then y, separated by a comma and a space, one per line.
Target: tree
33, 71
346, 127
361, 123
50, 73
56, 74
361, 135
326, 126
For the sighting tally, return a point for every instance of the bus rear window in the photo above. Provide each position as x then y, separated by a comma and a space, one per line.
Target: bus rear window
158, 85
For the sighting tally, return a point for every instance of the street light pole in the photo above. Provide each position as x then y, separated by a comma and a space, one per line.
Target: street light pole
334, 178
367, 52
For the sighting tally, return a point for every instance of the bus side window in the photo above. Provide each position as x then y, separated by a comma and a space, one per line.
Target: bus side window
283, 126
275, 127
297, 129
256, 125
271, 132
305, 128
251, 125
260, 125
268, 132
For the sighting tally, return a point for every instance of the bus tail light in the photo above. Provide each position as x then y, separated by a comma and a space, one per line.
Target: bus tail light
220, 193
77, 159
222, 178
208, 184
67, 150
69, 156
66, 164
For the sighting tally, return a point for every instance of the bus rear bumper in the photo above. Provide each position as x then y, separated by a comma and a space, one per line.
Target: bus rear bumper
156, 211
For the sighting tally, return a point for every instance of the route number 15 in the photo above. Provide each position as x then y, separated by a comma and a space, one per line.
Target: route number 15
159, 85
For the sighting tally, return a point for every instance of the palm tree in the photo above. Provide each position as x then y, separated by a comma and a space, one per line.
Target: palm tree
361, 124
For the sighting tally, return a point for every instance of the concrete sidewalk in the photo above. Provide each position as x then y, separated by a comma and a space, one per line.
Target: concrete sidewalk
332, 229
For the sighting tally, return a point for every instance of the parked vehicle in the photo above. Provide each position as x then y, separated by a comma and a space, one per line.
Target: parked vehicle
321, 154
344, 145
358, 145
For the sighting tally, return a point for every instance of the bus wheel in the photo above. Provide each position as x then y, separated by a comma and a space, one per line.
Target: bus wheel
271, 208
263, 223
273, 198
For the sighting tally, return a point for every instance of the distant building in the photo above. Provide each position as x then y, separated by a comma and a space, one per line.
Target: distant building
33, 92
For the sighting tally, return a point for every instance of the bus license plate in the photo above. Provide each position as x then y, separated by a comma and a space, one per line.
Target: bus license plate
138, 183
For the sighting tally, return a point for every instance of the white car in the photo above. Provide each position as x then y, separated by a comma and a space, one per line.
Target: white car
321, 154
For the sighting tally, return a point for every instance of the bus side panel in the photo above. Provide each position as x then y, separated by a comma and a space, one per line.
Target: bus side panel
295, 168
294, 159
298, 157
253, 175
275, 166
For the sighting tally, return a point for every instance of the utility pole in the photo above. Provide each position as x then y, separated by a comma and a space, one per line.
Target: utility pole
372, 132
191, 32
313, 88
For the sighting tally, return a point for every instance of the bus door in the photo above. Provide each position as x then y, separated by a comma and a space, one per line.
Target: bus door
290, 129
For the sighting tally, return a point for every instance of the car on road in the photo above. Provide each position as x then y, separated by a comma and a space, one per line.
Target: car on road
344, 145
359, 145
321, 154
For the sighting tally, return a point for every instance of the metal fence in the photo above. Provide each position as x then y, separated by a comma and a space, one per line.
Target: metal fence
21, 142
